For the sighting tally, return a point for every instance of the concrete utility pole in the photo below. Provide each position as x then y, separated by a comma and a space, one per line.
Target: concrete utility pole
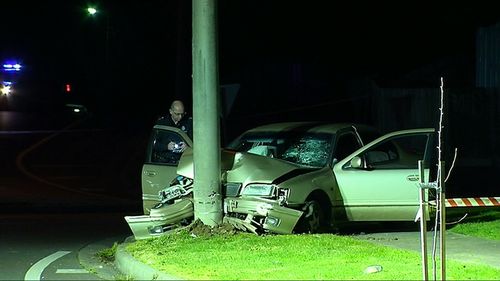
206, 131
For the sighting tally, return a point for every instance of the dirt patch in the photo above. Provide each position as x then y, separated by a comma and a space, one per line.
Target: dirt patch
199, 229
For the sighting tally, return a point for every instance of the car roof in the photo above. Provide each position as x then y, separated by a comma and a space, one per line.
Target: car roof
309, 126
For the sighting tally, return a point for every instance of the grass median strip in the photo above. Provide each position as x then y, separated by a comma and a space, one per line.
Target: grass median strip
291, 257
484, 225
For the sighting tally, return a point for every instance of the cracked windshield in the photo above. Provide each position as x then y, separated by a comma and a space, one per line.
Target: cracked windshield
310, 149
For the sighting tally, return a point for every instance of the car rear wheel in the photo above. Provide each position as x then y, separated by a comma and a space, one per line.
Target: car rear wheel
312, 220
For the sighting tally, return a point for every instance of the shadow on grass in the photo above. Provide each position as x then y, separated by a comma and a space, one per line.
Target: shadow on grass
485, 215
375, 227
472, 215
453, 217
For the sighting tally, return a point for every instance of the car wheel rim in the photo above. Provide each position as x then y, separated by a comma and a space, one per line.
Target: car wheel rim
313, 217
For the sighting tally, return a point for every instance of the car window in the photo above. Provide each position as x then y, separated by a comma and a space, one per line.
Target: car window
346, 144
303, 148
158, 144
401, 152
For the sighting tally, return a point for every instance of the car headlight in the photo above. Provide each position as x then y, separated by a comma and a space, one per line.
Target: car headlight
264, 190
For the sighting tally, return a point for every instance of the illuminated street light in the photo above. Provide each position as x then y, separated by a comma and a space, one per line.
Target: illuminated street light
91, 10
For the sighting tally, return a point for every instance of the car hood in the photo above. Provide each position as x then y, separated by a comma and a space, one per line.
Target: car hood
245, 167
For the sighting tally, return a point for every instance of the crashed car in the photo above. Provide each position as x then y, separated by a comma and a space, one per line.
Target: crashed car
299, 177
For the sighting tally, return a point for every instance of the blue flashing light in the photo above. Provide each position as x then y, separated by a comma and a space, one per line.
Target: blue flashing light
12, 67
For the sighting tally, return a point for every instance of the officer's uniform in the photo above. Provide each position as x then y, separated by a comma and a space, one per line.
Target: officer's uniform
185, 124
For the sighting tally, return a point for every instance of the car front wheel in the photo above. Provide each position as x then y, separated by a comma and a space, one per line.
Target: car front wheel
312, 220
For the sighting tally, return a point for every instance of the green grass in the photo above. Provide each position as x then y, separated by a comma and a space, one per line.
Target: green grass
484, 225
288, 257
107, 254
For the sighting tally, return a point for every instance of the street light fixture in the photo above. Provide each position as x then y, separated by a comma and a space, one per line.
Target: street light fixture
91, 10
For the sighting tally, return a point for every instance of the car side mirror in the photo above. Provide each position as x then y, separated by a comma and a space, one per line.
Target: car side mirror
356, 162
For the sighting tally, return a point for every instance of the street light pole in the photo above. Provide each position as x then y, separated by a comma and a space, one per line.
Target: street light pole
92, 11
104, 85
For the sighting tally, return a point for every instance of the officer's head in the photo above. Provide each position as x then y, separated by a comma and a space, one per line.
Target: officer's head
177, 110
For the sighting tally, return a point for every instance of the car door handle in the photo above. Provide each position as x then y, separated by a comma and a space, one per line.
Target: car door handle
413, 178
150, 173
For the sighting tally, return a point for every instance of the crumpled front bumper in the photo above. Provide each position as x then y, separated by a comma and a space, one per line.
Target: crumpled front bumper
251, 214
161, 219
259, 215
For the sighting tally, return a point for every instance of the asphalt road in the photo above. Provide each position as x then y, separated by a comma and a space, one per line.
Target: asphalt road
70, 163
46, 246
65, 183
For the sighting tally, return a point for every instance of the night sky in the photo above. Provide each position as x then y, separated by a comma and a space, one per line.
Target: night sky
292, 60
134, 57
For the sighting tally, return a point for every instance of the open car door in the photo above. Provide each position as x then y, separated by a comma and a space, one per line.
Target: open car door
160, 165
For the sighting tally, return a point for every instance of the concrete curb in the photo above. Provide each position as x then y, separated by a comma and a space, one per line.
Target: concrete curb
129, 266
92, 263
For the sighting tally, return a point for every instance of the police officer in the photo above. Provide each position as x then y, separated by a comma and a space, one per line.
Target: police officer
176, 119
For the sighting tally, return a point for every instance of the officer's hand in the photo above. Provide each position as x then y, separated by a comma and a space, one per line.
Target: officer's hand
171, 145
182, 147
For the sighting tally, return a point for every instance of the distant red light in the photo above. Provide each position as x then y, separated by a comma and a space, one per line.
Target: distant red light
68, 88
